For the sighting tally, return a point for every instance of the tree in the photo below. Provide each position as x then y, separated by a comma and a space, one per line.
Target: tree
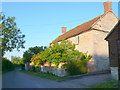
11, 36
75, 62
37, 60
22, 61
32, 51
58, 53
15, 60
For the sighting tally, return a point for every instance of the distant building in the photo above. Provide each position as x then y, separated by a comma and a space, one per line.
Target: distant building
113, 39
89, 37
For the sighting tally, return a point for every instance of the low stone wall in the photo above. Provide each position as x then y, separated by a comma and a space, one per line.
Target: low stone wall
114, 72
56, 71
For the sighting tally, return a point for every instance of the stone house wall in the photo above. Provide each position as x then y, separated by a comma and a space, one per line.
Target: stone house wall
93, 42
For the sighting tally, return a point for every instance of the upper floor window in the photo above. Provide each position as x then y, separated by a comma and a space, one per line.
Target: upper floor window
76, 40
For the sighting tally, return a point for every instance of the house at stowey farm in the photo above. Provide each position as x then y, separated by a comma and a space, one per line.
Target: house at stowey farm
113, 39
89, 37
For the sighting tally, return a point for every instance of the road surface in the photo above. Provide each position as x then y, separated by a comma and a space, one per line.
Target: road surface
18, 79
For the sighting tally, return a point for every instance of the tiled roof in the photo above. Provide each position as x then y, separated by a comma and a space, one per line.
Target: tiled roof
77, 30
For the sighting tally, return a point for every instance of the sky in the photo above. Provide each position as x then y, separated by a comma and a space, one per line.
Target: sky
41, 22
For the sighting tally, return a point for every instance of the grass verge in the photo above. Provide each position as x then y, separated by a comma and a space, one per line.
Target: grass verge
43, 75
109, 84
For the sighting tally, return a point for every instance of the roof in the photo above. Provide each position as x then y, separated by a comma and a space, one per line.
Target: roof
78, 30
112, 30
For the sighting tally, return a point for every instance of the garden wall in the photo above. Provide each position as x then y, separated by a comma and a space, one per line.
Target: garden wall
56, 71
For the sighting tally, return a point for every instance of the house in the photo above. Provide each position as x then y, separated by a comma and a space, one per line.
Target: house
89, 37
113, 39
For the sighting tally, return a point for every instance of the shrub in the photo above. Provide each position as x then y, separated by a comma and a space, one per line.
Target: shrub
76, 67
33, 68
77, 63
37, 69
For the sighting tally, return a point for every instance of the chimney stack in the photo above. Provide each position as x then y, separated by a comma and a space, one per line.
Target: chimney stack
63, 30
107, 6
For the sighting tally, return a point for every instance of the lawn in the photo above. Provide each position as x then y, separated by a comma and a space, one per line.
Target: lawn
44, 75
109, 84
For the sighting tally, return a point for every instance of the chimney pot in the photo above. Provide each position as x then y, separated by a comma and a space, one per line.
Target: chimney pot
63, 30
107, 6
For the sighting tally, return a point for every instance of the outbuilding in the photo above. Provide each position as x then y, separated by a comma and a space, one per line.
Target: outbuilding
113, 39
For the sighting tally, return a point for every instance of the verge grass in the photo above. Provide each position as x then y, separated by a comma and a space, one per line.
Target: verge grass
43, 75
109, 84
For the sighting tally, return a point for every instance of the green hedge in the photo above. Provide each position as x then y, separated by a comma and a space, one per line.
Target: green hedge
7, 65
22, 66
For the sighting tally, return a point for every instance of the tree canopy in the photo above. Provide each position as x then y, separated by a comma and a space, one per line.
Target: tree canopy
60, 52
11, 36
32, 51
37, 60
15, 60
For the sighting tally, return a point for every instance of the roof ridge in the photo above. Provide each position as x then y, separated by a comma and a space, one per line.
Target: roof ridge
101, 16
80, 28
87, 22
77, 30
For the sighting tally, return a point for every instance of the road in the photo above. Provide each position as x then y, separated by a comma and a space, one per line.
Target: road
18, 79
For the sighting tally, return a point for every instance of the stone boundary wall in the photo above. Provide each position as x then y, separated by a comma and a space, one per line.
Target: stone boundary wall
46, 68
56, 71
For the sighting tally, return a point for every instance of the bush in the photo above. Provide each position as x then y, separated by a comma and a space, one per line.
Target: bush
32, 68
76, 67
37, 69
7, 65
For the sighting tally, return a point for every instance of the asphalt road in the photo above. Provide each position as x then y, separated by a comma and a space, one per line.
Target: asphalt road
18, 79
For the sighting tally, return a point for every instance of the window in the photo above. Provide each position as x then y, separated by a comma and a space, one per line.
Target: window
76, 40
